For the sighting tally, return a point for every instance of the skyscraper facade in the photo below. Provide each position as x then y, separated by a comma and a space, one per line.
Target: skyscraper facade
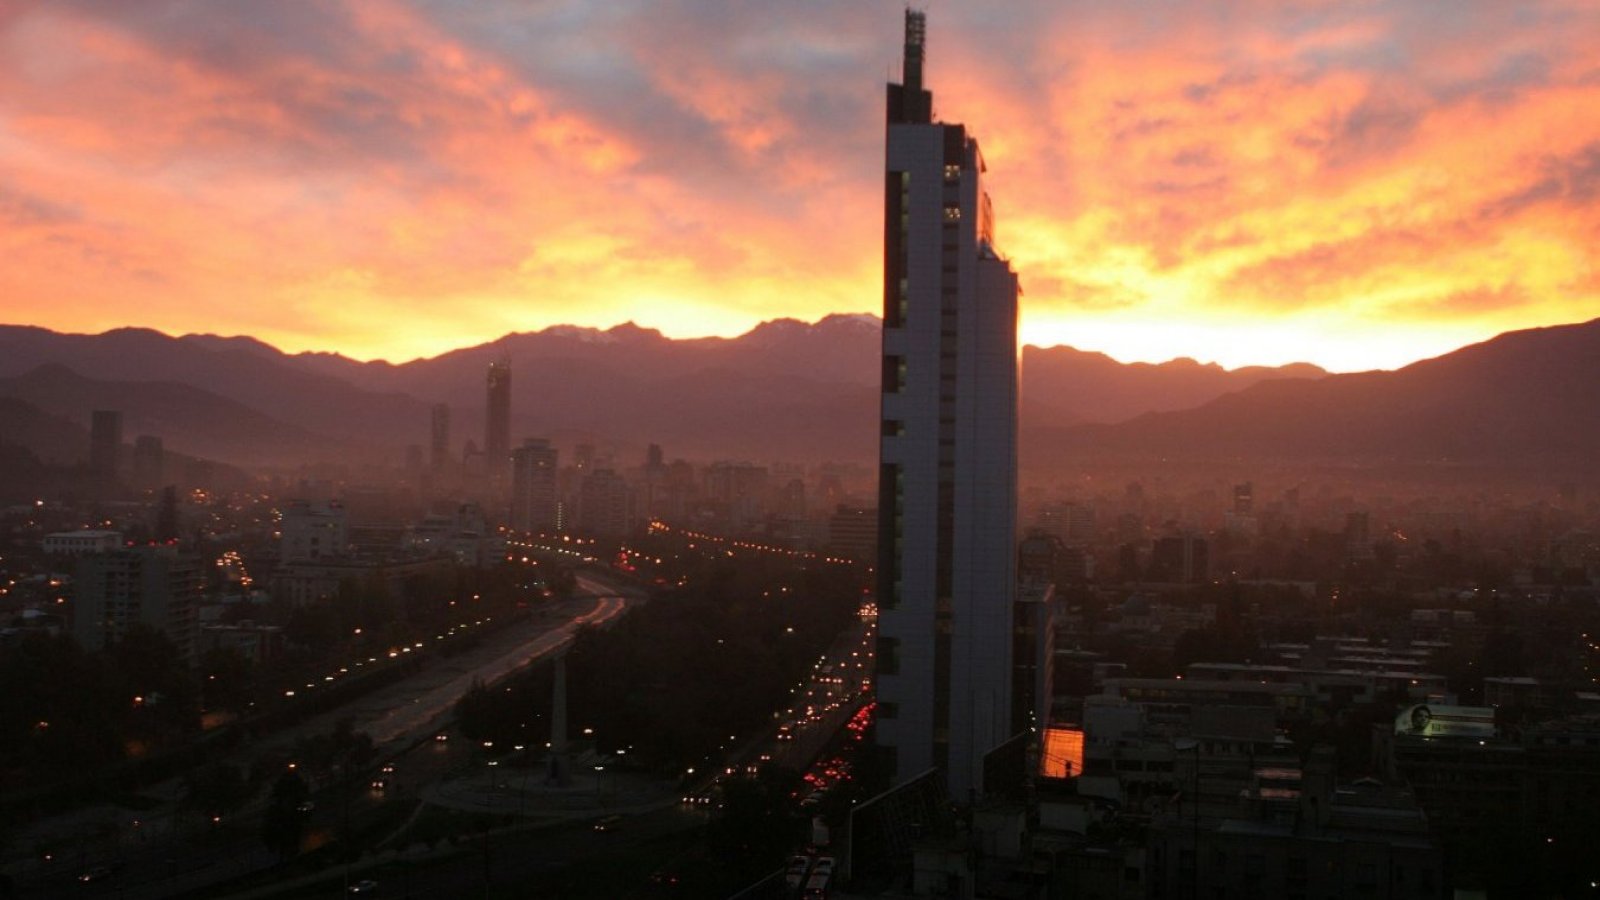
947, 476
497, 432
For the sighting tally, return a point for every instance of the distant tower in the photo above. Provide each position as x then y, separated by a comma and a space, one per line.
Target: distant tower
534, 504
439, 455
167, 515
497, 434
1244, 499
604, 504
583, 458
149, 461
947, 489
105, 445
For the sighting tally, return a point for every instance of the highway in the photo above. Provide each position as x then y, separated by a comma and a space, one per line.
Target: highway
163, 860
415, 714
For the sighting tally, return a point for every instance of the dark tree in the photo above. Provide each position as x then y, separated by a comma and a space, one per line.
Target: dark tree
283, 824
216, 790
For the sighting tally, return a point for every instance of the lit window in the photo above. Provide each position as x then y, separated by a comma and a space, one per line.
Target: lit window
952, 213
952, 173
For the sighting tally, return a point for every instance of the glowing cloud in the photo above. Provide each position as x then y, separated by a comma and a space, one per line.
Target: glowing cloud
1356, 185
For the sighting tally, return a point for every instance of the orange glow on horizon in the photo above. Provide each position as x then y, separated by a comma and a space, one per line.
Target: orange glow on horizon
1356, 187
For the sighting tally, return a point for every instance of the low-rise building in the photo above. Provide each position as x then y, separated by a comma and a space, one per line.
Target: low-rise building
77, 543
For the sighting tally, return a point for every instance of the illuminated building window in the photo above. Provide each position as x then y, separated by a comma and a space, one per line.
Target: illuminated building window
1063, 753
952, 213
952, 173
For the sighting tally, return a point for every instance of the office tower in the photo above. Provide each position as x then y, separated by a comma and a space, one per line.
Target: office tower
154, 586
947, 456
497, 434
167, 516
439, 448
583, 458
149, 461
534, 505
853, 531
105, 444
1180, 558
739, 490
313, 531
1244, 499
605, 505
1358, 535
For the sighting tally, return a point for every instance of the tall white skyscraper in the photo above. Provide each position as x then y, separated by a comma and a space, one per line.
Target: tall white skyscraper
947, 478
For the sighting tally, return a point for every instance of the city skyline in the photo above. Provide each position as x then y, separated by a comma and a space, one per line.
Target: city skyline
1234, 183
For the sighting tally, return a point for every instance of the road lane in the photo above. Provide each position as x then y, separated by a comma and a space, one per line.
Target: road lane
421, 712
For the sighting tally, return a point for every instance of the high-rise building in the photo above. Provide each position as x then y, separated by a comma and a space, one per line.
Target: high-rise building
154, 586
497, 433
535, 505
947, 456
149, 461
1244, 498
605, 504
1182, 558
853, 531
105, 444
313, 531
439, 448
168, 517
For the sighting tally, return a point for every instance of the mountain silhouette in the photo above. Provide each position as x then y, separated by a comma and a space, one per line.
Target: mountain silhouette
788, 390
1524, 397
188, 419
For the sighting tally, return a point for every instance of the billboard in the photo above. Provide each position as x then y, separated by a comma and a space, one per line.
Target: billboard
1438, 720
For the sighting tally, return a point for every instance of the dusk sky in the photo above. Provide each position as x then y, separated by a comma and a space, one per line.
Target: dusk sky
1354, 184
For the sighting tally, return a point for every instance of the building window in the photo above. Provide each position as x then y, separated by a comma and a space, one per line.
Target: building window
952, 213
894, 374
893, 428
888, 656
952, 173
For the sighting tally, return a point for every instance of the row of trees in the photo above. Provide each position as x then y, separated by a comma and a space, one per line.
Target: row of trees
64, 710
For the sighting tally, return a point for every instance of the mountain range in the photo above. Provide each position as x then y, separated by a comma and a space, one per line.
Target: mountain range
792, 391
1522, 398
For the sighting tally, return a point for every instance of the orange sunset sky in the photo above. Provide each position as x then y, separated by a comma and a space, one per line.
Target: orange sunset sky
1355, 184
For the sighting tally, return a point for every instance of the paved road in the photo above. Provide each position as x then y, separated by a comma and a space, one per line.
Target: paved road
413, 713
394, 716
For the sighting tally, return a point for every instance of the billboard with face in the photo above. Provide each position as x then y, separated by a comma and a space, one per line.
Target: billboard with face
1437, 720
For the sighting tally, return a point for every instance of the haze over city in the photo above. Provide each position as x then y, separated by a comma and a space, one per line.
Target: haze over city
1351, 185
826, 451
